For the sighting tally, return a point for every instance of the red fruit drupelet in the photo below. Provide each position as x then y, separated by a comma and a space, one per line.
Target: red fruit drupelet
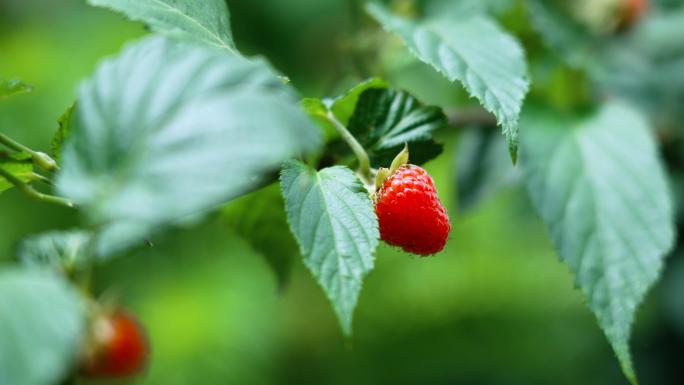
120, 347
409, 212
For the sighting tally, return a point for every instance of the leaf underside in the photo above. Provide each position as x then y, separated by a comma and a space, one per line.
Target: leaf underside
488, 62
601, 189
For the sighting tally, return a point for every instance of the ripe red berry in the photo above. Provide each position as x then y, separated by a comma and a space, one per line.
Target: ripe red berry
409, 212
631, 12
118, 347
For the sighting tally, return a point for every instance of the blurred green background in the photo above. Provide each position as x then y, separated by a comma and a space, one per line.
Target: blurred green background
497, 307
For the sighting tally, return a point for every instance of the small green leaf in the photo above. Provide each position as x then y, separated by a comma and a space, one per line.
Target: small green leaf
41, 325
62, 133
13, 87
601, 189
483, 168
344, 105
474, 51
19, 164
207, 21
384, 120
331, 216
261, 220
168, 130
60, 250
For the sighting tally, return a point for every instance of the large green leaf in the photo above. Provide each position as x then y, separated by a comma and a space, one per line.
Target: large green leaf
60, 250
12, 87
207, 20
168, 130
601, 189
261, 220
331, 216
385, 119
41, 325
474, 51
20, 165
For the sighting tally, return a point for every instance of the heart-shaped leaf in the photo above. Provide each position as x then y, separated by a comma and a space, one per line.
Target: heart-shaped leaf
331, 216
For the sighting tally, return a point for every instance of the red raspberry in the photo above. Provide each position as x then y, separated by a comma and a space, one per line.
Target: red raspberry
631, 12
119, 347
410, 213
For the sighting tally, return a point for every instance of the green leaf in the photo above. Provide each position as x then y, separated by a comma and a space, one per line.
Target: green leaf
19, 164
331, 216
60, 250
385, 119
601, 189
62, 133
167, 131
474, 51
261, 220
41, 324
13, 87
207, 21
482, 167
343, 106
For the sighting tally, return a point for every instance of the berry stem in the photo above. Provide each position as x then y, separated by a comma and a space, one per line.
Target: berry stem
40, 159
31, 192
361, 155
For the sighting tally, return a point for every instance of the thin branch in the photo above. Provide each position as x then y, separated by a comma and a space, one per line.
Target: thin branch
31, 192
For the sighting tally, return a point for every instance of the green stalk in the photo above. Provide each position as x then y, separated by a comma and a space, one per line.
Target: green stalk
32, 193
40, 159
356, 147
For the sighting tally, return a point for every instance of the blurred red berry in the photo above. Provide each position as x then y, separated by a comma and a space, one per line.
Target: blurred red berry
118, 347
409, 212
632, 11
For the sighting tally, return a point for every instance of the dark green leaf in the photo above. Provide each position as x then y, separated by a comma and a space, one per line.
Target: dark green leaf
474, 51
62, 133
207, 21
19, 164
601, 189
167, 131
331, 216
13, 87
261, 220
384, 120
343, 106
482, 167
41, 326
60, 250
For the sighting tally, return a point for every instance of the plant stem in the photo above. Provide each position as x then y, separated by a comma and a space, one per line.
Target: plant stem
356, 147
32, 193
40, 159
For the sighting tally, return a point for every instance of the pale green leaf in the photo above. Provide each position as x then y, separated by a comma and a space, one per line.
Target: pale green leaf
601, 189
60, 250
207, 21
167, 131
474, 51
63, 132
41, 326
13, 87
331, 216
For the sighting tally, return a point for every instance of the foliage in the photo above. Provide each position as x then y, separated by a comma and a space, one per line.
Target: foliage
181, 124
